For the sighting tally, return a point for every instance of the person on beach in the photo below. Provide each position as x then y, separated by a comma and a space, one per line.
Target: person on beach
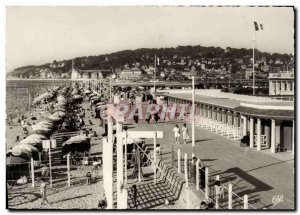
185, 133
136, 116
102, 204
134, 192
88, 178
176, 132
45, 171
156, 117
148, 117
43, 188
193, 170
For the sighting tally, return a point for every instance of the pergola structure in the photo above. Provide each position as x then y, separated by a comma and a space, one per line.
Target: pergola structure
108, 158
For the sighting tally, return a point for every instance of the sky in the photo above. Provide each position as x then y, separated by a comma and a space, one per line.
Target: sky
38, 35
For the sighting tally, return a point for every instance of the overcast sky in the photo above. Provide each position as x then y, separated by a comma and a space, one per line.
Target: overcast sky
37, 35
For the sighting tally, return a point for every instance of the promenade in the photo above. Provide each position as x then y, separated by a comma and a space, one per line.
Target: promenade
262, 176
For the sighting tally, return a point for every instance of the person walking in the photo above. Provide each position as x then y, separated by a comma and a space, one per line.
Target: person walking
176, 132
134, 191
148, 117
185, 133
43, 188
136, 116
193, 170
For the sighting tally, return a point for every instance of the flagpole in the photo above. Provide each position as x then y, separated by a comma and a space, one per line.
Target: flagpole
154, 73
253, 40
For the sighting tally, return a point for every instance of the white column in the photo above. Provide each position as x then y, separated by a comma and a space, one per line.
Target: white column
119, 165
251, 132
273, 136
50, 166
197, 174
193, 113
230, 196
293, 137
178, 161
32, 172
186, 170
217, 193
68, 169
244, 125
258, 134
126, 159
108, 171
154, 153
206, 183
245, 202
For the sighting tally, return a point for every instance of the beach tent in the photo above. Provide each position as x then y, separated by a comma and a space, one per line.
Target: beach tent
79, 143
34, 139
87, 92
24, 150
76, 139
16, 167
78, 97
55, 117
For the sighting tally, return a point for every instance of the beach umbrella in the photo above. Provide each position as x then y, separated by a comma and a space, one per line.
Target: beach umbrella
41, 126
60, 109
33, 139
75, 92
55, 118
87, 92
42, 131
17, 151
78, 97
36, 136
59, 113
28, 147
75, 140
101, 107
24, 149
92, 95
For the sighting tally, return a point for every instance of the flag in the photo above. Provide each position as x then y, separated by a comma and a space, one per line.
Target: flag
261, 27
256, 26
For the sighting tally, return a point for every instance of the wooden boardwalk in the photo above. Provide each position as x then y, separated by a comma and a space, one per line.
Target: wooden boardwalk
260, 175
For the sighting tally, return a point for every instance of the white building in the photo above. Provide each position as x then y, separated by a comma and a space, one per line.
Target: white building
130, 73
281, 83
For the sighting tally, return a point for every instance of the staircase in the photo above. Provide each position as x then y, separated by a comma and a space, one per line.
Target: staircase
150, 195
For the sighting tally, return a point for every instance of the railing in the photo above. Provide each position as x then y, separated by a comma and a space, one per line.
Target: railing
207, 181
263, 140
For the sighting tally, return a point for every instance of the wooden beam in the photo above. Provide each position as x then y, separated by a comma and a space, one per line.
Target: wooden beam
145, 134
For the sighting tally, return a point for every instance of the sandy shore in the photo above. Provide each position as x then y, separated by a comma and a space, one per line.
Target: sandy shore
78, 196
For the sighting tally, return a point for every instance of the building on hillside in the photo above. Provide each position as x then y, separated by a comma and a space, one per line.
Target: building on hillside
281, 84
149, 71
248, 73
45, 73
130, 74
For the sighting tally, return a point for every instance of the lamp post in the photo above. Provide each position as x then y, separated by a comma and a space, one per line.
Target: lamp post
154, 74
110, 89
193, 73
110, 86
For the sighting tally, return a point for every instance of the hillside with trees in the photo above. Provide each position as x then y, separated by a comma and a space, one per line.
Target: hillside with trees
176, 58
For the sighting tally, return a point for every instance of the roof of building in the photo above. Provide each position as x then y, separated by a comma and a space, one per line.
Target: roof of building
266, 113
250, 105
